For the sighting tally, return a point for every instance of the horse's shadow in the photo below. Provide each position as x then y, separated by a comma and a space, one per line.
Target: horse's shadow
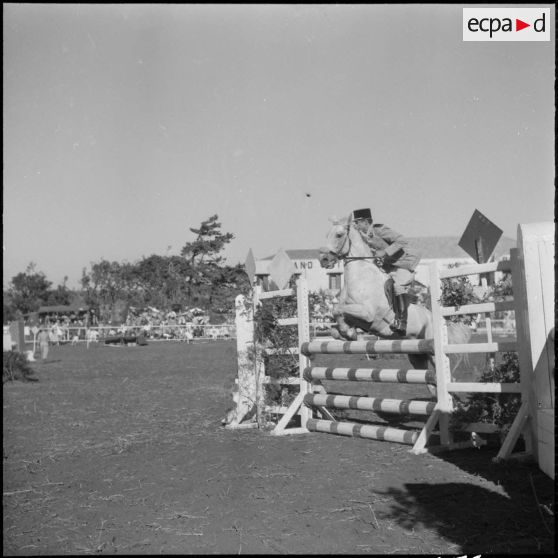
501, 508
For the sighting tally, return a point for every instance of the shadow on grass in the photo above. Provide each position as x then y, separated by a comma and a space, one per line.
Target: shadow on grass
511, 514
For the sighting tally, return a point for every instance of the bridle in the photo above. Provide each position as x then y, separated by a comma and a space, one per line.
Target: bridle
347, 259
339, 254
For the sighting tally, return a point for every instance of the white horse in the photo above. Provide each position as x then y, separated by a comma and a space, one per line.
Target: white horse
365, 300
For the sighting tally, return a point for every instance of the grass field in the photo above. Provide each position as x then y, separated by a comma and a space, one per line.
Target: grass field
119, 450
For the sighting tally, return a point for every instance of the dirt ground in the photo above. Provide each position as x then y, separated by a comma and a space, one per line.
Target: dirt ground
119, 450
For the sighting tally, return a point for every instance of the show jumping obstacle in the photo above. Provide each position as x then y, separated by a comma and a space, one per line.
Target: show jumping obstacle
532, 267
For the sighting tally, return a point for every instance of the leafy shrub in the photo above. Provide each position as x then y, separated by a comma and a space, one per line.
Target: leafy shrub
456, 292
270, 335
16, 367
494, 408
499, 409
502, 289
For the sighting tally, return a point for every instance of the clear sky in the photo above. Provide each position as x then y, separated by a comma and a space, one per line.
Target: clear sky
124, 125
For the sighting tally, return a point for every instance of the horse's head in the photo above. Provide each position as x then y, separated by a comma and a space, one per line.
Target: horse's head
343, 241
338, 243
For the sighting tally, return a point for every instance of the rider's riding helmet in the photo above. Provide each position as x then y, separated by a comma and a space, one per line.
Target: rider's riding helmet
362, 214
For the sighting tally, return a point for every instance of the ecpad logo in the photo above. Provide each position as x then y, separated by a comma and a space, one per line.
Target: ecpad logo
506, 24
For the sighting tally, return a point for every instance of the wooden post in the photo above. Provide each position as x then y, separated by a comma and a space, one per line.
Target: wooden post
533, 282
443, 371
257, 361
246, 388
303, 312
484, 283
297, 405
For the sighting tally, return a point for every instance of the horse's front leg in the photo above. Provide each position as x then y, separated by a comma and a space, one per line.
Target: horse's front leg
351, 315
342, 329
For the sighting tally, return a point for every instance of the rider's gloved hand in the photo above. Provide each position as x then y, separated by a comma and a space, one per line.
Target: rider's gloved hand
380, 257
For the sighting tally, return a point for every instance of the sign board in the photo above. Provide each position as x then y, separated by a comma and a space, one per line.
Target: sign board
18, 334
480, 237
281, 269
250, 266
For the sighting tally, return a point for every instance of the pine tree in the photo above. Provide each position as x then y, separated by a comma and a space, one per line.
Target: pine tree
209, 242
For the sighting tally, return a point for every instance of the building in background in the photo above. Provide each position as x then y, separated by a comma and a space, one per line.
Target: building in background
444, 250
307, 264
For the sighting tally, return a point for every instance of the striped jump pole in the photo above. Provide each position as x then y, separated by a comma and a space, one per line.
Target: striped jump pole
363, 431
391, 375
406, 346
361, 403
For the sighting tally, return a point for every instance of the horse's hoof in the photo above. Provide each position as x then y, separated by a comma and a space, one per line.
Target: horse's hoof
335, 334
400, 331
352, 334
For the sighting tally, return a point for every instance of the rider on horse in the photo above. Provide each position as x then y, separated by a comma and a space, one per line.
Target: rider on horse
390, 250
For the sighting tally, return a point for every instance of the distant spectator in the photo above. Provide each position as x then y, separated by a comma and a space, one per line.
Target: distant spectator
55, 333
94, 320
44, 340
188, 335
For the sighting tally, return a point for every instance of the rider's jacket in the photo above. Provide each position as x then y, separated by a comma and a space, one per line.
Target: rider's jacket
381, 237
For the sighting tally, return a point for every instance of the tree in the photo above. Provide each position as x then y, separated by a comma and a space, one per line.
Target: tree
8, 310
104, 281
87, 288
28, 290
205, 274
209, 242
162, 280
226, 285
195, 277
60, 296
106, 284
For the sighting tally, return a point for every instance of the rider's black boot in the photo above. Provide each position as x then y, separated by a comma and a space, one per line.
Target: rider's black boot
400, 323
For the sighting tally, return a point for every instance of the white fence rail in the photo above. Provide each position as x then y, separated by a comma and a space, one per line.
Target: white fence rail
162, 332
153, 333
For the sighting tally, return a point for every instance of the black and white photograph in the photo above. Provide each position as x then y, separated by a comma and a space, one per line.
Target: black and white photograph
278, 279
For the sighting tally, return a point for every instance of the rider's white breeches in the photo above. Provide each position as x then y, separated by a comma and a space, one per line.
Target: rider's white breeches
402, 278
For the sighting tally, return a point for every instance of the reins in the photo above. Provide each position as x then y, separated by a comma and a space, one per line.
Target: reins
346, 258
